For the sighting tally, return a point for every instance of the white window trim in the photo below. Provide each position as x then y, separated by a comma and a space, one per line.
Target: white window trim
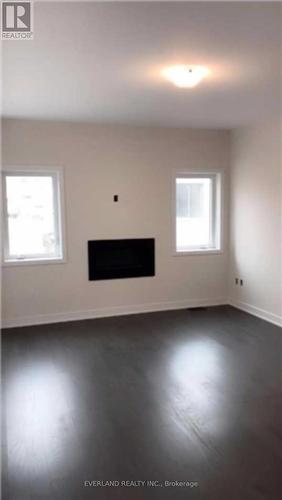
57, 172
219, 179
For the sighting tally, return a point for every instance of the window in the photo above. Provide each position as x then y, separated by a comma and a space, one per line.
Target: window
32, 215
197, 212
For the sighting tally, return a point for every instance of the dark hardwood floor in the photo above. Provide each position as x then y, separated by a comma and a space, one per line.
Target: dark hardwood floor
170, 396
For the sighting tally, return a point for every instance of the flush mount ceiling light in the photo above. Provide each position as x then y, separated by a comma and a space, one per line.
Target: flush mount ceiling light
185, 76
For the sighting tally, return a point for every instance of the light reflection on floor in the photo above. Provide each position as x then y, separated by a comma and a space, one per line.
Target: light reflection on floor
35, 433
196, 376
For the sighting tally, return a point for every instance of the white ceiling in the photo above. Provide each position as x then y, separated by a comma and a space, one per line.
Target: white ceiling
101, 62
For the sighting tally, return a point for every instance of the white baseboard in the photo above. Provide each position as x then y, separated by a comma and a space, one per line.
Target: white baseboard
110, 311
257, 311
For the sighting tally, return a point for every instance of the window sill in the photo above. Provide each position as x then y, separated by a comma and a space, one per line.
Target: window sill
207, 251
33, 262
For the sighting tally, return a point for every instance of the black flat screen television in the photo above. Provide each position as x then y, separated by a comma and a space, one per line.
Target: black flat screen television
115, 259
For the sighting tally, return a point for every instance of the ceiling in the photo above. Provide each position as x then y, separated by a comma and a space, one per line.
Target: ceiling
102, 62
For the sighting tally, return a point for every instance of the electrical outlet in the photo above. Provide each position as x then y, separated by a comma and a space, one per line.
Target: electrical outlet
241, 282
236, 281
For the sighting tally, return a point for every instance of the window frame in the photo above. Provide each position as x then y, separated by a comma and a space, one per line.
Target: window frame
217, 210
57, 174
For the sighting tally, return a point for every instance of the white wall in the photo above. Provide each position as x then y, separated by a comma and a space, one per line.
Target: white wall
255, 209
99, 161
